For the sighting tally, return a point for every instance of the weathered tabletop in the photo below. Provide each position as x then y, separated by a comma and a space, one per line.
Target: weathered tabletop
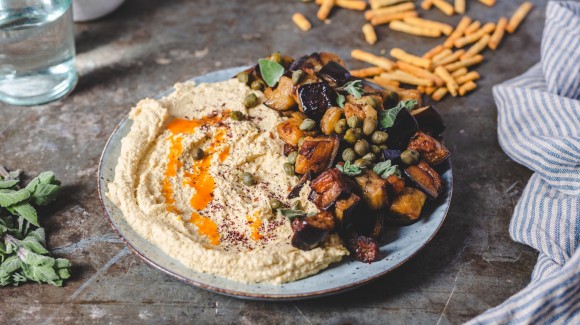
148, 45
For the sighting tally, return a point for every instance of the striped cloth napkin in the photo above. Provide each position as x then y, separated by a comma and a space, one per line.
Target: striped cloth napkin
539, 127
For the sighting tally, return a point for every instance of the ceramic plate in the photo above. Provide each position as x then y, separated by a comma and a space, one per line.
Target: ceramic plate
399, 246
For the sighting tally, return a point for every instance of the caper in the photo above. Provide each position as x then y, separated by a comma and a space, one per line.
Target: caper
351, 136
369, 125
410, 157
348, 154
361, 162
276, 57
257, 85
237, 115
296, 205
297, 76
292, 157
379, 137
250, 101
197, 154
353, 121
370, 156
248, 179
243, 77
372, 101
307, 124
340, 126
289, 169
383, 147
275, 204
375, 149
361, 147
300, 141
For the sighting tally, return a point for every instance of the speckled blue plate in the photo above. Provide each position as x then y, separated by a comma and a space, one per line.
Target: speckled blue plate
400, 244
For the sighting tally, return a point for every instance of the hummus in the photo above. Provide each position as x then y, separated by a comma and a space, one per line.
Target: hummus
198, 211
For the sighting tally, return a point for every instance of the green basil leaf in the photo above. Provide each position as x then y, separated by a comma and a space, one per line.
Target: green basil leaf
387, 118
11, 264
26, 211
385, 169
11, 197
270, 71
44, 193
4, 184
32, 244
340, 100
292, 214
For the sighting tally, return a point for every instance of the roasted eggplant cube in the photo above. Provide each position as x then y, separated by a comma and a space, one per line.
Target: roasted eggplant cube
316, 154
315, 98
289, 131
344, 210
311, 231
429, 120
334, 73
308, 62
402, 130
431, 150
374, 190
425, 178
406, 207
281, 98
329, 187
378, 226
396, 184
363, 248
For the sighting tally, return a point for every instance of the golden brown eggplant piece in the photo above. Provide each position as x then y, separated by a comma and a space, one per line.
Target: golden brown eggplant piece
326, 57
430, 149
378, 226
426, 178
281, 98
363, 248
374, 189
330, 186
316, 154
354, 110
311, 231
406, 207
289, 130
344, 208
396, 184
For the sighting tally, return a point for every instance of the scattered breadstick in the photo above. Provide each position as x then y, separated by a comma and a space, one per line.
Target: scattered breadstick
439, 94
407, 6
367, 72
325, 8
471, 38
519, 16
497, 36
464, 63
434, 51
375, 4
426, 4
367, 57
458, 73
451, 84
442, 55
430, 90
407, 78
420, 73
385, 83
385, 19
489, 3
369, 33
399, 54
444, 6
421, 89
458, 32
413, 30
473, 75
301, 22
467, 87
450, 58
473, 27
460, 6
444, 28
477, 47
359, 5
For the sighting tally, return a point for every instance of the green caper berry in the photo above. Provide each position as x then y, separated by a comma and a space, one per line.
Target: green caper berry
383, 147
307, 124
372, 102
361, 162
369, 125
348, 154
276, 57
340, 126
296, 205
375, 149
379, 137
361, 147
297, 76
237, 115
289, 169
410, 157
275, 204
248, 179
250, 101
292, 157
257, 85
197, 154
353, 121
350, 136
300, 141
243, 77
370, 156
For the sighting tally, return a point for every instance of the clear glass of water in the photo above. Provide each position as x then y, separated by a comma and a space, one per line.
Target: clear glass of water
36, 51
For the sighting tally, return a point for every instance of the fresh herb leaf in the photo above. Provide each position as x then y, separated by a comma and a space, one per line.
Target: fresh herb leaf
292, 214
387, 118
6, 184
354, 88
385, 169
26, 211
44, 194
340, 100
349, 169
270, 71
11, 197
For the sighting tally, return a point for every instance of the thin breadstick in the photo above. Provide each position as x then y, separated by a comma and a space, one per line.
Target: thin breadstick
420, 73
473, 75
439, 94
375, 4
450, 58
430, 90
426, 4
407, 78
301, 22
473, 27
385, 83
444, 28
385, 19
467, 87
421, 89
519, 16
367, 57
369, 14
458, 73
451, 84
444, 6
367, 72
497, 36
460, 6
359, 5
464, 63
369, 33
325, 8
471, 38
434, 51
489, 3
400, 54
477, 47
413, 30
458, 32
441, 55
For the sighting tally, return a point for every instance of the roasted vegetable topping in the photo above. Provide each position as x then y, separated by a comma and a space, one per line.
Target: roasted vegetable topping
314, 99
431, 150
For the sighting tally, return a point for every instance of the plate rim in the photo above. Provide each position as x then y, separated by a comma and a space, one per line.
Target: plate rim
242, 294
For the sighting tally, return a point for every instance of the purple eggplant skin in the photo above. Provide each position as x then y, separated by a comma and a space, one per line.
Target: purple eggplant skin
393, 155
402, 130
311, 231
429, 121
315, 98
334, 73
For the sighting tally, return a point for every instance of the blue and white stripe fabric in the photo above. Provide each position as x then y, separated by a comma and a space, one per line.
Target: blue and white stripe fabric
539, 127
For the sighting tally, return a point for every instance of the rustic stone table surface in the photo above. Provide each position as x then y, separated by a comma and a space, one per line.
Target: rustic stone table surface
145, 47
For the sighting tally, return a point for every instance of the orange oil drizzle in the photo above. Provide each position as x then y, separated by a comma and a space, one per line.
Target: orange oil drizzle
255, 224
206, 227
